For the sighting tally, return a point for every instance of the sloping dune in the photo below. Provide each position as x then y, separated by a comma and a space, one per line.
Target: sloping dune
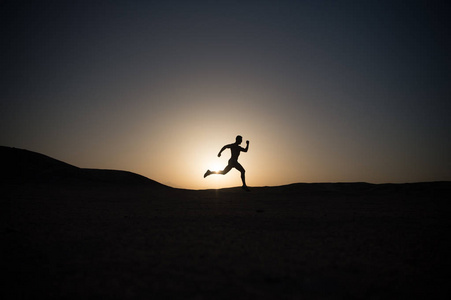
69, 233
22, 166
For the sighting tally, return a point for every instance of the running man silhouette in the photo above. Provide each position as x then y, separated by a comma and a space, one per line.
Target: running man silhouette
233, 161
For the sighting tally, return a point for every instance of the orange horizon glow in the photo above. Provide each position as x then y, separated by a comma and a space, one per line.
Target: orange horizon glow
178, 143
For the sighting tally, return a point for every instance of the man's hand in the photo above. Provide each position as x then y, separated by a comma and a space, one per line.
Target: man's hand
247, 142
219, 154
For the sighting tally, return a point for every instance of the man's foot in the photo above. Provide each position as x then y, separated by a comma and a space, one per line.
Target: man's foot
207, 173
244, 187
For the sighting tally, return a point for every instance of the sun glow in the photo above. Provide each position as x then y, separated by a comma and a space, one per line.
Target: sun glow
216, 165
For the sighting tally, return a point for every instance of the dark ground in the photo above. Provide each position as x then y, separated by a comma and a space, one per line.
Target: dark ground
71, 233
312, 241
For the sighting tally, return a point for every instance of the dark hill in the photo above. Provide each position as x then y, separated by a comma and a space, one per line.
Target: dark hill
23, 166
359, 188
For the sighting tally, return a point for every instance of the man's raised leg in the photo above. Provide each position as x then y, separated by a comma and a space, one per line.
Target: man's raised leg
223, 172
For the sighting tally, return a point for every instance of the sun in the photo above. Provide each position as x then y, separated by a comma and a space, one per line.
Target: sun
215, 165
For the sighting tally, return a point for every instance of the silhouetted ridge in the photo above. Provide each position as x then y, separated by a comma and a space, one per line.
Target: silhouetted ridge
18, 165
328, 189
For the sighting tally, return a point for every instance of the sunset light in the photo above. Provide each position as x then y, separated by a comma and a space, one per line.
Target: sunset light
323, 94
332, 118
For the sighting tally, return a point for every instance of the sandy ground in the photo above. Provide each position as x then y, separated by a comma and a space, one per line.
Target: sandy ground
309, 241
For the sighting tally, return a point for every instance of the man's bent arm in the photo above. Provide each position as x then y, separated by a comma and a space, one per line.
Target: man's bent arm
223, 148
247, 147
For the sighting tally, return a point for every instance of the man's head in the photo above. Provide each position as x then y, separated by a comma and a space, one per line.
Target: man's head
238, 139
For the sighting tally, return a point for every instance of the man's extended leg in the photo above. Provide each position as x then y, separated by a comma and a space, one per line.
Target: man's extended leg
243, 171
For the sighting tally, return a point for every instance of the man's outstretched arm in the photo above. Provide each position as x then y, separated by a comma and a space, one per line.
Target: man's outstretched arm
222, 149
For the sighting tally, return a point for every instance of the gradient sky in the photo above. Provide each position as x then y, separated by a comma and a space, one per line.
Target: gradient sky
325, 91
